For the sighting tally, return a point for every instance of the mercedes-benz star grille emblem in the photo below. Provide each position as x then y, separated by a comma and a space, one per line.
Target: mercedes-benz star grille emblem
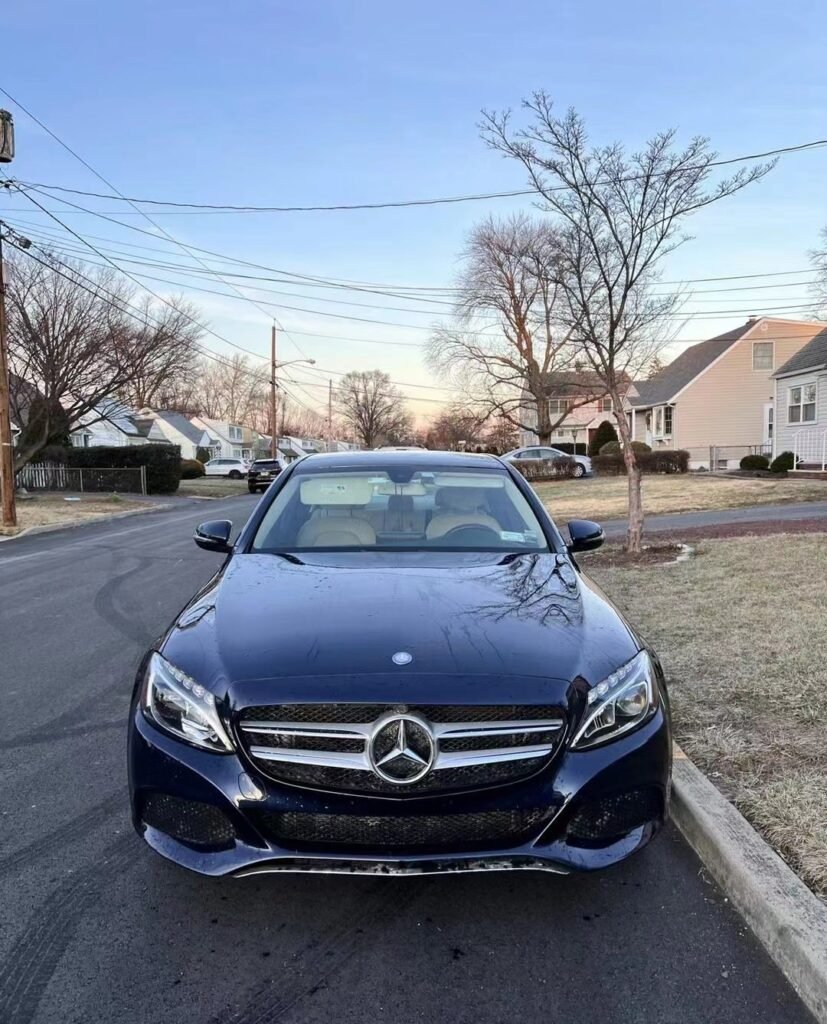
401, 749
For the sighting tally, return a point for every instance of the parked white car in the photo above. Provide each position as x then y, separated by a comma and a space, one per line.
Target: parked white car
545, 453
233, 468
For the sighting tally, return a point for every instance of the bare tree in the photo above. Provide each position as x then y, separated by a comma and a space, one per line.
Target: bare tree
72, 347
166, 354
501, 435
231, 390
510, 274
619, 215
373, 408
457, 427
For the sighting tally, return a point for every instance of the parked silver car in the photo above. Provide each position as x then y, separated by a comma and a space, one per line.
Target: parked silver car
546, 453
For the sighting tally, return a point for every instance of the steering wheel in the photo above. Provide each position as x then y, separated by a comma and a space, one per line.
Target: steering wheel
476, 528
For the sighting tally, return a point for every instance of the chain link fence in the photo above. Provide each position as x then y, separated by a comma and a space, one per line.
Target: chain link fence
47, 476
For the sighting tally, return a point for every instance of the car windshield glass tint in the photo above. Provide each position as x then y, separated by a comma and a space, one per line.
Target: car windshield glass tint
434, 509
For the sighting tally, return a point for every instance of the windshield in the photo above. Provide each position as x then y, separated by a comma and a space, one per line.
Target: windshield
400, 509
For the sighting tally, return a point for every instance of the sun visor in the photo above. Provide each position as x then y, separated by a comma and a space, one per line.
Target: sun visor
486, 480
336, 490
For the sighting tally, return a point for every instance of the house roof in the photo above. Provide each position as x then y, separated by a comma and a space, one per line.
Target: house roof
812, 355
178, 421
673, 378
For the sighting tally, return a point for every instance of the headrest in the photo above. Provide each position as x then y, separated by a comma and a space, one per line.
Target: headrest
459, 499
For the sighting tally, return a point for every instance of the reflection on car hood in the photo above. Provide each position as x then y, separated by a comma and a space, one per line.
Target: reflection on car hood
332, 624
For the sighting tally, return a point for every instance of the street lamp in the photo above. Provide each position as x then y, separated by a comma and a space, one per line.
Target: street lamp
274, 433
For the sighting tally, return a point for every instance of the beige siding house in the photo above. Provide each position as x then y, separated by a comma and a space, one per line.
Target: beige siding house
719, 393
801, 404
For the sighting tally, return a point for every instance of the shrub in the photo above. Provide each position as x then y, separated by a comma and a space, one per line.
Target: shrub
605, 434
783, 463
613, 448
755, 462
191, 469
542, 469
162, 461
664, 460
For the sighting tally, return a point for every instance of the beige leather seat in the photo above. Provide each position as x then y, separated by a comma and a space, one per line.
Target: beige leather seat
336, 528
460, 506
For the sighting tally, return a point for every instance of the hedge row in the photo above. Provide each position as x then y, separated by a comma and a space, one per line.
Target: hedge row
543, 469
660, 461
162, 461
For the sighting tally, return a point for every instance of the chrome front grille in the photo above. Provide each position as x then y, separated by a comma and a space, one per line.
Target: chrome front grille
334, 746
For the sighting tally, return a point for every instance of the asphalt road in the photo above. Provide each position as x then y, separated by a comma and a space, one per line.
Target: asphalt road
715, 517
95, 928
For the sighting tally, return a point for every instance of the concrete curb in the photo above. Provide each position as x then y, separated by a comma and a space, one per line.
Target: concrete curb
52, 527
788, 919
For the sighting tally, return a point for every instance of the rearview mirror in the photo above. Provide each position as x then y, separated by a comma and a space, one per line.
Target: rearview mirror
214, 535
585, 535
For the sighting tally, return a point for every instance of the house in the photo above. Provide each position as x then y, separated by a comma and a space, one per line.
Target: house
111, 423
229, 440
566, 394
719, 393
175, 428
800, 399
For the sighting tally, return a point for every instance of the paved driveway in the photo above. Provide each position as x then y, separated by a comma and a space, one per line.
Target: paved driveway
95, 928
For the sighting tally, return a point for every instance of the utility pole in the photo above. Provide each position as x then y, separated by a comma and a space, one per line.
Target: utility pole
6, 451
274, 430
330, 414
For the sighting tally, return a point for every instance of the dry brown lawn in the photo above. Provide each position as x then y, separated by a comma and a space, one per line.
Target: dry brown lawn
742, 633
54, 511
606, 497
212, 487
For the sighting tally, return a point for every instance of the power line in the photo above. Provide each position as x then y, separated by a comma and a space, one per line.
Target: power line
398, 203
395, 290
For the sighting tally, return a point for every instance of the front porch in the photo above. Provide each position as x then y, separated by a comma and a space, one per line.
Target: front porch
810, 451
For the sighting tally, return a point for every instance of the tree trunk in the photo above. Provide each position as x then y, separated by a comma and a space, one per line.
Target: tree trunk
538, 393
634, 534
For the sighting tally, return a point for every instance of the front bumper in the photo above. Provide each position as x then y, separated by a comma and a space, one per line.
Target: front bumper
584, 796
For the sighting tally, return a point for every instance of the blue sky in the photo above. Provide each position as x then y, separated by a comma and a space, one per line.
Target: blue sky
322, 102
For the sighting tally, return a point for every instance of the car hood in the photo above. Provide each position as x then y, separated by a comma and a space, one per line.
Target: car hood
331, 626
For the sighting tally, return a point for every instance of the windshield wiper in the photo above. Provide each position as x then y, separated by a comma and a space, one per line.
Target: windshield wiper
288, 555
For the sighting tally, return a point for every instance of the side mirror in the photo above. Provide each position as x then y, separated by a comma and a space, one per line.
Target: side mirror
585, 535
214, 535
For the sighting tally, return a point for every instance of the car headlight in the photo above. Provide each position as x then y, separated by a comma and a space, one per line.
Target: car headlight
621, 702
179, 705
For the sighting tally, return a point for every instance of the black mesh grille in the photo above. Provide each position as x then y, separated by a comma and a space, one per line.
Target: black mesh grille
394, 833
190, 821
344, 713
610, 818
473, 775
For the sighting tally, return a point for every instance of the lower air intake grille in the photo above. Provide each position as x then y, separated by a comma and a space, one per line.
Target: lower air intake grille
189, 821
598, 822
394, 833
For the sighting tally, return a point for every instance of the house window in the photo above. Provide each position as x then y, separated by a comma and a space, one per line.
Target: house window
234, 432
558, 406
236, 453
605, 404
662, 421
762, 355
80, 440
801, 407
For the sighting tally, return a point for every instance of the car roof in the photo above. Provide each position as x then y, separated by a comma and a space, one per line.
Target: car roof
380, 459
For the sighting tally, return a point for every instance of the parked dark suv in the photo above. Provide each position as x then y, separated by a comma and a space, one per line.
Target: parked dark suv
262, 473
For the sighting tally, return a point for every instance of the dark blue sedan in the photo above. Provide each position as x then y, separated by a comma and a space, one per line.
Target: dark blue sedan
399, 668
